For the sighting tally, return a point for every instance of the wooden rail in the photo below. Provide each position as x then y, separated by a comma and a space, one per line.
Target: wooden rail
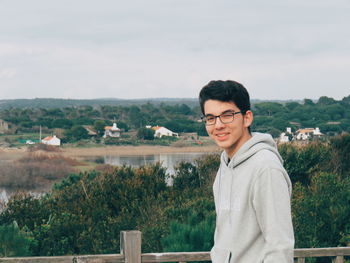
130, 252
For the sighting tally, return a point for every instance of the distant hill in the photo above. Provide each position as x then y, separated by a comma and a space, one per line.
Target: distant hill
62, 103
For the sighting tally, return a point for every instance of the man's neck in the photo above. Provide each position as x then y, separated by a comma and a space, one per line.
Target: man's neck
232, 151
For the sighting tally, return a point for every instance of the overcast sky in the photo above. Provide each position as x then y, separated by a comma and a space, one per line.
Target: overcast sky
279, 49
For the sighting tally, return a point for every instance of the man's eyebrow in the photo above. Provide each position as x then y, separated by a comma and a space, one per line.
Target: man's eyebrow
226, 111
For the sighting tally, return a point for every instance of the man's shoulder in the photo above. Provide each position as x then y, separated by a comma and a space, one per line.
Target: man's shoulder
265, 155
266, 159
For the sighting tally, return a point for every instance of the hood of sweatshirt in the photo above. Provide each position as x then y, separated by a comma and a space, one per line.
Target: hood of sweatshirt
258, 142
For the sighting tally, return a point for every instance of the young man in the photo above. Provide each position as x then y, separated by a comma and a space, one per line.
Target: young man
251, 190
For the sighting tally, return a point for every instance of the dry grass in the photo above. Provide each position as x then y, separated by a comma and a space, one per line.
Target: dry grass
43, 147
53, 159
35, 171
180, 144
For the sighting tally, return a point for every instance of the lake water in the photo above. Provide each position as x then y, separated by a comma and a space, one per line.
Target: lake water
168, 160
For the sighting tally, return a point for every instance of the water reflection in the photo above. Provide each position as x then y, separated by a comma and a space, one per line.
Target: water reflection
169, 161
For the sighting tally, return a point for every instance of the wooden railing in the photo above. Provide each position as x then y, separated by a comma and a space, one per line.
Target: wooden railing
130, 252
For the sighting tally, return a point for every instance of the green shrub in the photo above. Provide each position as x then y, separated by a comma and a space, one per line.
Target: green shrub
13, 241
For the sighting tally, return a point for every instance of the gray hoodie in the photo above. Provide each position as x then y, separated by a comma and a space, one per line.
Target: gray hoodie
252, 198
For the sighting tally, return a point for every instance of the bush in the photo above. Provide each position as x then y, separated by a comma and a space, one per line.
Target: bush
145, 134
119, 141
321, 212
196, 234
13, 241
341, 146
86, 212
302, 162
76, 133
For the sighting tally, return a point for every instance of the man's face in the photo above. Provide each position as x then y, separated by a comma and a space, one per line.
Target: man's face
230, 136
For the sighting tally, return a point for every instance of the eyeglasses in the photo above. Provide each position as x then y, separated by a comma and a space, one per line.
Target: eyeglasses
226, 117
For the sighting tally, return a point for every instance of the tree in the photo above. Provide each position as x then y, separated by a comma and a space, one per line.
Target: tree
308, 102
321, 212
13, 241
61, 123
275, 133
335, 111
83, 120
136, 116
145, 134
99, 126
341, 146
279, 123
269, 108
76, 133
201, 130
184, 109
302, 163
324, 100
123, 125
187, 176
196, 234
55, 113
346, 100
262, 120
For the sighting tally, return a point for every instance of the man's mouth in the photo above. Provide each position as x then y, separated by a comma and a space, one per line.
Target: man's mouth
221, 136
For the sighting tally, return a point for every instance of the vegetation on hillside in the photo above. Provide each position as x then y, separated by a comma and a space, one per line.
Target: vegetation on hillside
85, 212
331, 116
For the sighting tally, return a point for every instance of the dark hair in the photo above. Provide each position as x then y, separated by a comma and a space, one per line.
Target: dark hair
227, 91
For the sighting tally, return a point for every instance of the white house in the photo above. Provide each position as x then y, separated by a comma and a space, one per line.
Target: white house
162, 131
51, 140
112, 131
284, 135
305, 134
283, 138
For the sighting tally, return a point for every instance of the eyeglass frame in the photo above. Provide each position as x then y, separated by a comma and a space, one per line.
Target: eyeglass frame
219, 116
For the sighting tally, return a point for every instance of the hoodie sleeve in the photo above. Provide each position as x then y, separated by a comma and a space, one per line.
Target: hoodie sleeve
271, 201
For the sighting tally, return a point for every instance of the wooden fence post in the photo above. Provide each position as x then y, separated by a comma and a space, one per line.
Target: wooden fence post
130, 246
339, 259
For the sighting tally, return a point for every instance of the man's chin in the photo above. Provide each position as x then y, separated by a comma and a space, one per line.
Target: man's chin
223, 144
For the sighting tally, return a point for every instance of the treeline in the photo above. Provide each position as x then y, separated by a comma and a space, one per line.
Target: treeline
331, 116
49, 103
85, 212
178, 118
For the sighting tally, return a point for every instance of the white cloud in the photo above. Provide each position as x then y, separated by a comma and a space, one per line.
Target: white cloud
166, 48
7, 73
14, 50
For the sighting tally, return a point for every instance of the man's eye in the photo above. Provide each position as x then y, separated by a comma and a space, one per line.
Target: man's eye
227, 116
210, 118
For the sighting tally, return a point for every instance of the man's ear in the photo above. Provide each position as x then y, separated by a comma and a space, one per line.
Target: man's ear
248, 118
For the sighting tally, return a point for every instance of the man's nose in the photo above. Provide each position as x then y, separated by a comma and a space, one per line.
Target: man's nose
218, 123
